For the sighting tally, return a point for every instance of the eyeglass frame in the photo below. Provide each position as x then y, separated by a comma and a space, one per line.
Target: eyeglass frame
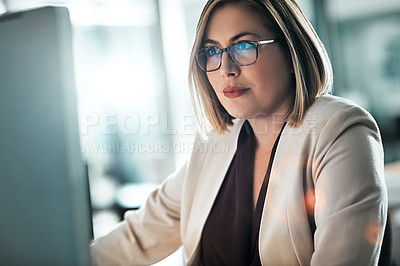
227, 49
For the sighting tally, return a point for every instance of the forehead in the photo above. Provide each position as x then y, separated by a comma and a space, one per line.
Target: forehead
230, 20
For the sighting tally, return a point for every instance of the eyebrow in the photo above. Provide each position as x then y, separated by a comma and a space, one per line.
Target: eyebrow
232, 39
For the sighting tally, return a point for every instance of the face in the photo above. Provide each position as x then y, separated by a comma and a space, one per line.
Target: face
262, 89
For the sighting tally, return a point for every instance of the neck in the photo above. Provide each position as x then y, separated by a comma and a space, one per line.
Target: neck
266, 129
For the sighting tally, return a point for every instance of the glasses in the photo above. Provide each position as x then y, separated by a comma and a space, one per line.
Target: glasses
243, 53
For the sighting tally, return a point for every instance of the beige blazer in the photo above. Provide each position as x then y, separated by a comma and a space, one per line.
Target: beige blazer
327, 175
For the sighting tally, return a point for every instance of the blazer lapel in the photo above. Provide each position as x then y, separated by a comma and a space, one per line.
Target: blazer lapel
222, 148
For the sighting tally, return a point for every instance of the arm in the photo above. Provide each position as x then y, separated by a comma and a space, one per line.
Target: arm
351, 200
147, 235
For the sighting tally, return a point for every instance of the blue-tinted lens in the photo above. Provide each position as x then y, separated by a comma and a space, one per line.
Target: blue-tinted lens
244, 53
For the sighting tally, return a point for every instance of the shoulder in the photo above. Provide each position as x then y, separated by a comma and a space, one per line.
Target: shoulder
331, 119
327, 106
337, 114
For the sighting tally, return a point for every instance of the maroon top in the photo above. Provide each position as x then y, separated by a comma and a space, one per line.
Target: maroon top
230, 234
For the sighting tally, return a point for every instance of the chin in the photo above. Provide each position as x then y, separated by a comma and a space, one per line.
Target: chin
237, 111
241, 115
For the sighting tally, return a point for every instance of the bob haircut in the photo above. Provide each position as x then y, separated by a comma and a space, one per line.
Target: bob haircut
312, 69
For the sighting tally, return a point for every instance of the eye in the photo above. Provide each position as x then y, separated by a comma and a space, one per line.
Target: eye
212, 52
244, 46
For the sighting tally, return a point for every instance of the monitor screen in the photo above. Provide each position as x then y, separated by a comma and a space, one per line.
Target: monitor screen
45, 218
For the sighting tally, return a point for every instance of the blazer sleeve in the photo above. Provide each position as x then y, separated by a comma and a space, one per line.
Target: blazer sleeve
350, 193
147, 235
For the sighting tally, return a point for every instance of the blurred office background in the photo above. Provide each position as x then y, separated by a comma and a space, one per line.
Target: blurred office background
136, 120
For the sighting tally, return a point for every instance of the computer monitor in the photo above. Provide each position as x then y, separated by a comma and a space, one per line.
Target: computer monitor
44, 209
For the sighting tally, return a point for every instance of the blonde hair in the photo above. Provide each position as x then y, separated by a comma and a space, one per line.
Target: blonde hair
310, 62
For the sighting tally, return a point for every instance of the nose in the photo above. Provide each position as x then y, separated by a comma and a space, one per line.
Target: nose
228, 67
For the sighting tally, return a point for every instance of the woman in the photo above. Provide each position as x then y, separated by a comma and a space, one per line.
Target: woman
302, 180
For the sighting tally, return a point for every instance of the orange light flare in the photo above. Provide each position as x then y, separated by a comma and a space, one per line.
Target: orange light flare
311, 199
372, 232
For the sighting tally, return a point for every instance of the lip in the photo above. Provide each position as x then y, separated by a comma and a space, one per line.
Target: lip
234, 91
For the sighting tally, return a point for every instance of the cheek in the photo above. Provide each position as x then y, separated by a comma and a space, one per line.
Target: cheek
276, 64
282, 67
275, 73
